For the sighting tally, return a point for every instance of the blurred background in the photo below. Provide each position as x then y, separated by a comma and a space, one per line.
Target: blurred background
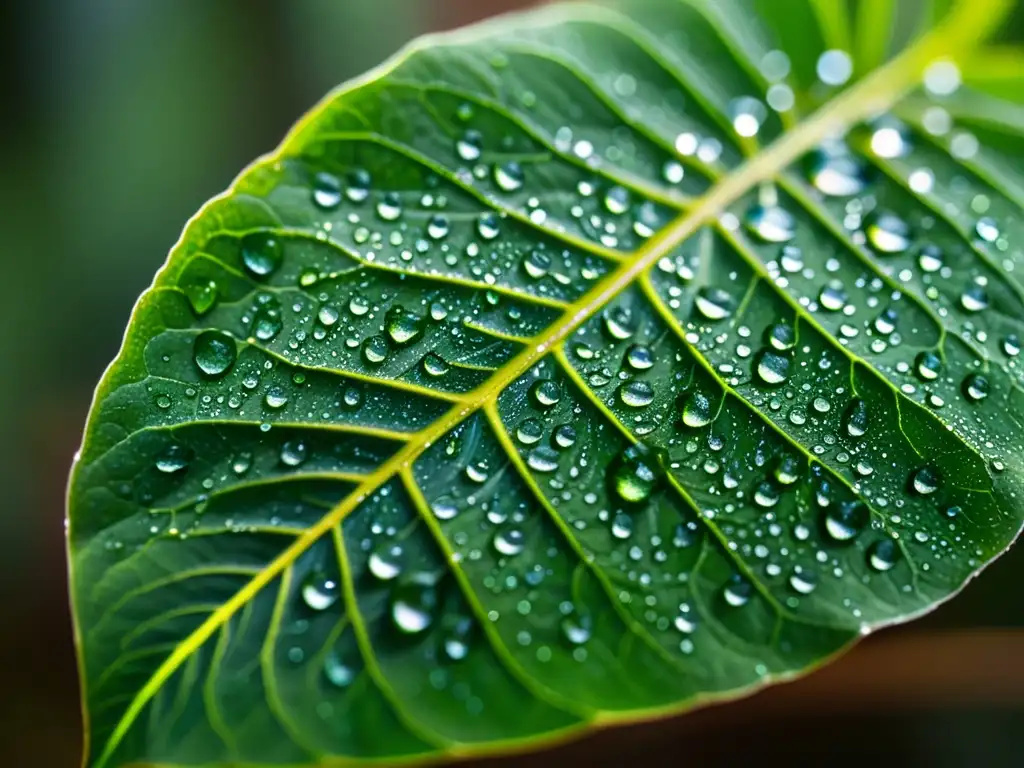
120, 119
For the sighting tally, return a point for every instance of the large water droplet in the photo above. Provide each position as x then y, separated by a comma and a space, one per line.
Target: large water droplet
174, 459
974, 298
261, 254
637, 472
403, 327
802, 580
887, 232
639, 357
202, 296
413, 605
845, 521
357, 188
577, 627
737, 592
771, 224
542, 459
616, 200
836, 173
214, 353
438, 226
618, 323
386, 562
564, 436
389, 207
487, 226
781, 337
772, 368
883, 555
697, 411
509, 541
975, 387
375, 350
714, 303
326, 191
529, 431
435, 365
928, 366
856, 418
636, 394
925, 481
469, 145
508, 176
320, 591
546, 393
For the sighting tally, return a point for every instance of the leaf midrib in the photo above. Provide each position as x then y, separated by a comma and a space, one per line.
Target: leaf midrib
966, 25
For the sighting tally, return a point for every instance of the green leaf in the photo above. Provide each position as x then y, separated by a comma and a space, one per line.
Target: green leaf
548, 378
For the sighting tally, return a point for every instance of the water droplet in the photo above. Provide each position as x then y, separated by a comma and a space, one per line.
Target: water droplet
737, 591
326, 191
888, 141
834, 67
403, 327
636, 394
686, 622
438, 226
1011, 345
375, 350
389, 207
413, 605
974, 299
772, 368
537, 264
386, 563
987, 229
856, 418
697, 411
766, 495
577, 627
803, 580
293, 453
887, 232
261, 254
564, 436
639, 357
714, 303
883, 555
529, 431
832, 296
202, 296
928, 366
508, 176
546, 393
435, 365
771, 224
781, 337
319, 591
456, 641
267, 322
791, 259
357, 188
276, 397
487, 226
637, 472
337, 672
241, 463
836, 173
616, 200
925, 481
509, 541
174, 459
930, 259
542, 459
469, 145
618, 322
885, 323
214, 353
975, 387
845, 521
787, 470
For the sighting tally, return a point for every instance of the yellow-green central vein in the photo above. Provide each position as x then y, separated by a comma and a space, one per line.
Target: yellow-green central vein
970, 22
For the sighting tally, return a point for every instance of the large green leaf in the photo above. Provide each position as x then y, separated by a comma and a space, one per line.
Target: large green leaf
586, 366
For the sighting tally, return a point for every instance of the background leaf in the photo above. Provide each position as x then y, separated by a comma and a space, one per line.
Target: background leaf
551, 377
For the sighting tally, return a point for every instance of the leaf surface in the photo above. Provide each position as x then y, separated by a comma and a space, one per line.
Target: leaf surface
578, 368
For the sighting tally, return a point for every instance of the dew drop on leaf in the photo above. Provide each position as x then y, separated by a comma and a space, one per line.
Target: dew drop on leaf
845, 521
637, 472
737, 592
714, 303
326, 191
546, 393
925, 481
771, 224
887, 232
772, 368
882, 555
375, 350
697, 410
636, 394
214, 353
319, 591
262, 254
414, 605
